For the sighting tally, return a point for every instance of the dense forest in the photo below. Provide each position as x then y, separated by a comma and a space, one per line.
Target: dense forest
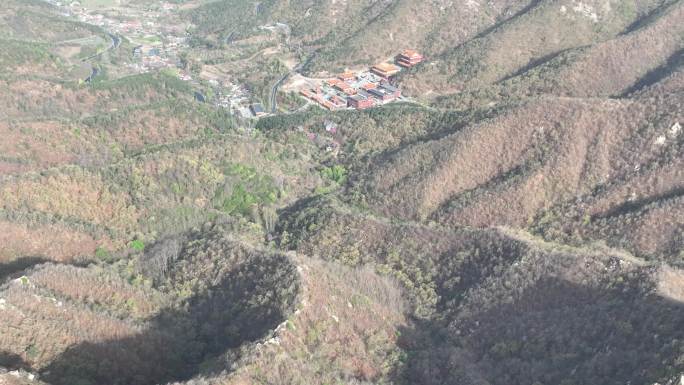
518, 218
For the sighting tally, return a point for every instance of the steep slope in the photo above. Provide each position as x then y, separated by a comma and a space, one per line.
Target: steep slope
358, 32
432, 26
36, 144
42, 98
558, 47
508, 307
191, 307
612, 67
545, 30
521, 222
345, 331
509, 169
556, 317
90, 324
423, 258
38, 21
669, 78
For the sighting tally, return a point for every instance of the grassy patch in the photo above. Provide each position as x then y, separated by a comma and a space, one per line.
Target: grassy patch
137, 245
336, 173
245, 190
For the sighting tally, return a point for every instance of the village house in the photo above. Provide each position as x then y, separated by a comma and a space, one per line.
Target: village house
334, 82
385, 92
347, 76
369, 86
346, 88
360, 101
330, 126
338, 102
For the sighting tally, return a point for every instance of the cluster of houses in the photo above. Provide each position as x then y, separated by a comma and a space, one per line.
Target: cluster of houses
327, 139
159, 41
362, 90
148, 58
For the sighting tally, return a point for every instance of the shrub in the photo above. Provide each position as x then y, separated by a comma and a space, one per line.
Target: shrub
337, 174
137, 245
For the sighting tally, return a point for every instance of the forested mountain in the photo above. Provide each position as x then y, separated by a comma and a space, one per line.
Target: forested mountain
517, 218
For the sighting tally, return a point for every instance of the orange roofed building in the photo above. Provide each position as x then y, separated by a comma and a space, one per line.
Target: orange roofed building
346, 76
385, 70
369, 86
333, 82
409, 58
346, 88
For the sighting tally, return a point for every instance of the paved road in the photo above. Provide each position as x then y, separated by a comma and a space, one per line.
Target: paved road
116, 42
93, 72
274, 92
274, 89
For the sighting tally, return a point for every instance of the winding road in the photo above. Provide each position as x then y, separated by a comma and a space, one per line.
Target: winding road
116, 42
274, 90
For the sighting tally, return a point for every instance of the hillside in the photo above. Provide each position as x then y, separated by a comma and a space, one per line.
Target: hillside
358, 32
485, 45
108, 332
175, 296
555, 41
511, 169
484, 299
173, 212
